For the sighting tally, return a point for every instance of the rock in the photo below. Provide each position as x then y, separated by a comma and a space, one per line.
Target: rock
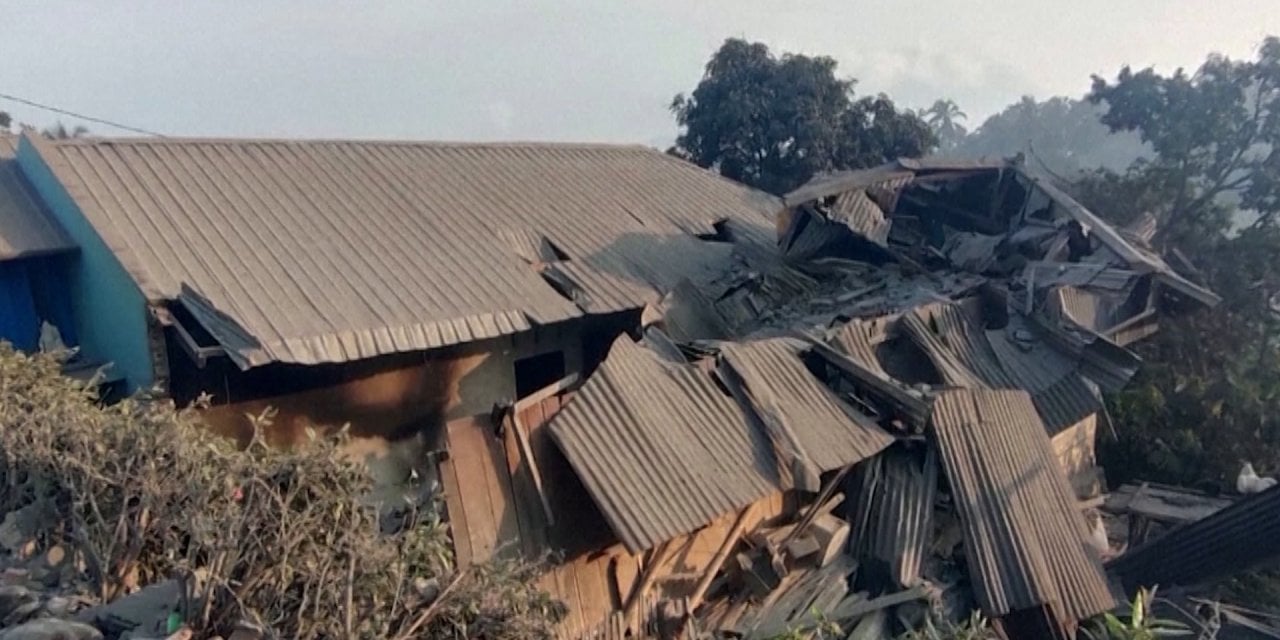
17, 604
145, 613
18, 529
51, 629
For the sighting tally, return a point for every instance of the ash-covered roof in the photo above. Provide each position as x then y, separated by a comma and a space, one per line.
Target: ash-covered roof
328, 251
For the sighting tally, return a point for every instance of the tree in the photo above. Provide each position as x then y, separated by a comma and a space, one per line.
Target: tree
773, 122
1205, 400
1215, 134
5, 120
1065, 135
60, 131
944, 120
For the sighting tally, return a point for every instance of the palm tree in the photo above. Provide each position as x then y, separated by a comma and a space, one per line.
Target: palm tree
59, 131
944, 118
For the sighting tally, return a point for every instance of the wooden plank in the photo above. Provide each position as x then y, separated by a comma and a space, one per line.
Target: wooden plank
531, 468
647, 578
457, 514
593, 590
547, 392
501, 501
717, 561
529, 513
466, 453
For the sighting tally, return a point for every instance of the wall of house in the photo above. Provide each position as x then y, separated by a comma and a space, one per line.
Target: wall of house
109, 308
395, 406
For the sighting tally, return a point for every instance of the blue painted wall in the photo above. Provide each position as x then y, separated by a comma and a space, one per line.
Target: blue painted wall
110, 310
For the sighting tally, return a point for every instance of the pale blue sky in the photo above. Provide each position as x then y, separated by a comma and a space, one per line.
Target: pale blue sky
590, 70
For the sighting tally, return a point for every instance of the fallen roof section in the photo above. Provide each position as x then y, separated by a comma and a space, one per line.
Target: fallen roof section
330, 251
1236, 538
1025, 540
26, 231
664, 449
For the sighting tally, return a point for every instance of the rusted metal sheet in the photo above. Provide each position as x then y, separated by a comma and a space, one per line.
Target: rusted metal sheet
25, 229
840, 182
1236, 538
1024, 536
967, 357
804, 416
861, 214
893, 521
660, 447
329, 251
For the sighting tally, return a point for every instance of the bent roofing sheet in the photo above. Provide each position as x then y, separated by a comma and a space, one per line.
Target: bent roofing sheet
25, 229
822, 429
1236, 538
895, 514
324, 251
660, 447
970, 358
1025, 539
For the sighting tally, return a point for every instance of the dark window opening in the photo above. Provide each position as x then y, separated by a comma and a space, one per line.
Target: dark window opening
720, 232
556, 251
537, 372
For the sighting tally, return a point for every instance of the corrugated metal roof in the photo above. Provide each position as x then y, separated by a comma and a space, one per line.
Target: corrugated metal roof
842, 181
25, 229
968, 357
324, 251
1025, 539
861, 214
1239, 537
804, 414
660, 447
893, 521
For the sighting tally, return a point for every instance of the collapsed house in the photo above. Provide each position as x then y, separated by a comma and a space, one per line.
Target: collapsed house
717, 410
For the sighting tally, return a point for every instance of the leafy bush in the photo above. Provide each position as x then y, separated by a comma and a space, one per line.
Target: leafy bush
140, 491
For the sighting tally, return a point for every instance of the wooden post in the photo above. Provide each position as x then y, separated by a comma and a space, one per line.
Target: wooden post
647, 578
717, 561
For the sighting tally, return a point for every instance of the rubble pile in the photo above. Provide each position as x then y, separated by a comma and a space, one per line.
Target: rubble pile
920, 359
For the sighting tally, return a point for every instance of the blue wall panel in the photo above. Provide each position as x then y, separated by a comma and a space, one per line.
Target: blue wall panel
109, 308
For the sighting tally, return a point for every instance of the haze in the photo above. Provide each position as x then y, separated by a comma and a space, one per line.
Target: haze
572, 70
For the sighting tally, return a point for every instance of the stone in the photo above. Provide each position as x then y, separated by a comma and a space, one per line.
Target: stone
51, 629
17, 603
18, 529
145, 612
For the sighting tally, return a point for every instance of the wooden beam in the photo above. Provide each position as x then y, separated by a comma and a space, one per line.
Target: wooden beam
717, 561
526, 452
817, 505
546, 392
647, 578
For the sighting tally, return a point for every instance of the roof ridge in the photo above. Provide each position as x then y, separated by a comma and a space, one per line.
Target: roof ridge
512, 144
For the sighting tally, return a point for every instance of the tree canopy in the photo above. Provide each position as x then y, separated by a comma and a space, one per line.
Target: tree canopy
1205, 400
944, 119
774, 122
1063, 134
1215, 135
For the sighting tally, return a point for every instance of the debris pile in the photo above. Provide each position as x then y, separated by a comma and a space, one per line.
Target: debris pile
920, 360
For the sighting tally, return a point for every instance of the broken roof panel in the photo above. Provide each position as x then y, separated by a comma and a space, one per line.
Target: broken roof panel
805, 417
1025, 539
968, 357
325, 251
1239, 537
893, 517
660, 447
25, 229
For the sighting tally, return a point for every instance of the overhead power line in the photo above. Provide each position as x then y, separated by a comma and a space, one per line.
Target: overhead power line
46, 107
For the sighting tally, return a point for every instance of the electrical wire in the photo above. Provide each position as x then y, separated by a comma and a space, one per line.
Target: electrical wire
117, 125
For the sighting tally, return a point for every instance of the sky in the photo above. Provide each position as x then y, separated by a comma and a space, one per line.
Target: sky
570, 70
